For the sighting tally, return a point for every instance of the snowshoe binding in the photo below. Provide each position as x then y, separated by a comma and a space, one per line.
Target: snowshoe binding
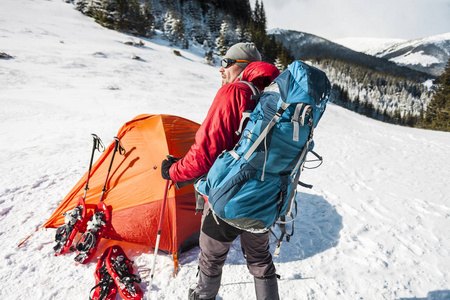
105, 288
121, 269
96, 227
65, 234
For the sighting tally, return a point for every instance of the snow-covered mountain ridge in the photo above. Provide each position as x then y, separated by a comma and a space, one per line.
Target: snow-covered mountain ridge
429, 54
374, 226
309, 46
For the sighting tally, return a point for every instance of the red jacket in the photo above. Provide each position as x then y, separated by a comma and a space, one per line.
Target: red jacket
217, 132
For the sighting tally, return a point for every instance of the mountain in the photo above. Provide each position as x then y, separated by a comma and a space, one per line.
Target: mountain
428, 54
308, 46
373, 86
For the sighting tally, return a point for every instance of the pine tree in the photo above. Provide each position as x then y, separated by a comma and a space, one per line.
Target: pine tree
437, 116
284, 55
241, 11
174, 28
396, 116
136, 22
278, 63
148, 18
213, 22
259, 17
122, 9
81, 5
225, 39
104, 12
195, 28
178, 32
258, 26
409, 119
243, 34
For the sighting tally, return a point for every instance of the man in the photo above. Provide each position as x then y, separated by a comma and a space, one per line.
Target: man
242, 62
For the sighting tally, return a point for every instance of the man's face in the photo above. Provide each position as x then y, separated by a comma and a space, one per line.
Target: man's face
230, 74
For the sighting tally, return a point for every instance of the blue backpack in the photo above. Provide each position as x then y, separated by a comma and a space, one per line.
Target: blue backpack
253, 185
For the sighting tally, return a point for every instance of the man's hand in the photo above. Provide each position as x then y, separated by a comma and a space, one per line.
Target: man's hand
166, 164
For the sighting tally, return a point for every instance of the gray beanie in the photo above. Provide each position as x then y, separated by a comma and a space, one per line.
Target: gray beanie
244, 51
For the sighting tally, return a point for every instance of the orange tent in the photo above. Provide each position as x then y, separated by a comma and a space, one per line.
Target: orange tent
135, 188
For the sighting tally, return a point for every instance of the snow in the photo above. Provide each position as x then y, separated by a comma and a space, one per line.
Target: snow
374, 226
370, 46
413, 58
428, 84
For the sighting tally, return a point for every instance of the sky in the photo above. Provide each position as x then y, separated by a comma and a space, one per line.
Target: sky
334, 19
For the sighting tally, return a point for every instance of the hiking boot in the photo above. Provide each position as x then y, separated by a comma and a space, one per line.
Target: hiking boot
266, 288
194, 296
207, 287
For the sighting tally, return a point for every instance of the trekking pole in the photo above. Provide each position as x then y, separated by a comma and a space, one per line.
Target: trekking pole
117, 146
158, 237
97, 145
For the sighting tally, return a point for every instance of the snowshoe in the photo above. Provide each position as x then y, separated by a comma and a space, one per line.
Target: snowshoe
105, 288
65, 234
121, 269
96, 227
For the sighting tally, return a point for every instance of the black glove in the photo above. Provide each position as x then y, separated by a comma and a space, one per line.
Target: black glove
166, 164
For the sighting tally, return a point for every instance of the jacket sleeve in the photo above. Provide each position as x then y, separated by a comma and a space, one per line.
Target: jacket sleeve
216, 134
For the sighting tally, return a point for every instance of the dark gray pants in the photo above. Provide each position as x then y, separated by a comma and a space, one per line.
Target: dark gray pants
216, 238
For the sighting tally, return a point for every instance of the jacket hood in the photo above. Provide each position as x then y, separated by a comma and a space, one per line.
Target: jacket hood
260, 73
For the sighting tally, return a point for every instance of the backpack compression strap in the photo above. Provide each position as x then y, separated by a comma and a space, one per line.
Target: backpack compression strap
298, 167
266, 130
298, 120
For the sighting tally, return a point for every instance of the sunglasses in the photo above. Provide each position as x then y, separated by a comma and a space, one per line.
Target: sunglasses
227, 62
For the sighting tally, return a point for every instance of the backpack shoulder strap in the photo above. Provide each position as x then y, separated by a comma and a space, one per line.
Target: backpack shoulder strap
256, 92
245, 115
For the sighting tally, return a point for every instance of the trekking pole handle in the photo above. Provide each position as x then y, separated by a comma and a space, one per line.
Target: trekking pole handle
97, 144
117, 146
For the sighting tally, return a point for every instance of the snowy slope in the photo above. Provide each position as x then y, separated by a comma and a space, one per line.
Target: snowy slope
375, 225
